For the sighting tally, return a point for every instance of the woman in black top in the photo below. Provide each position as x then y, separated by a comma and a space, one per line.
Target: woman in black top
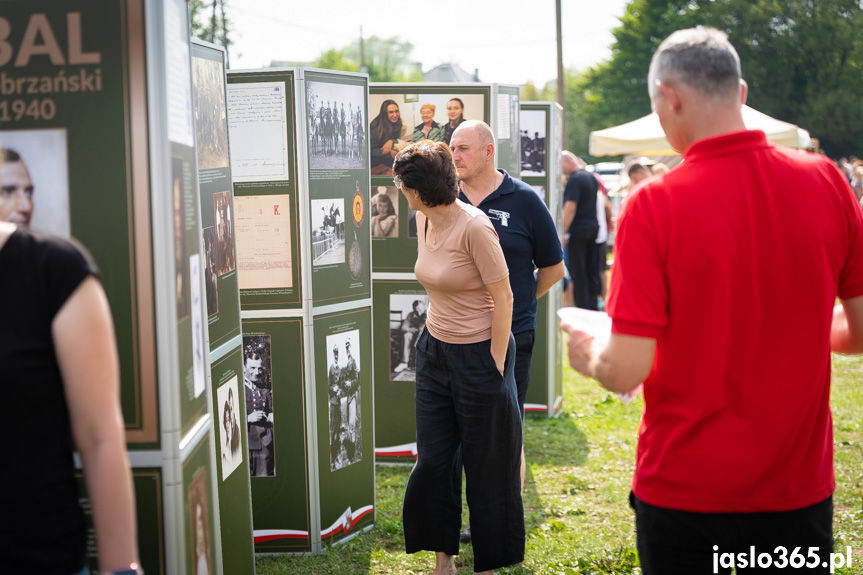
60, 384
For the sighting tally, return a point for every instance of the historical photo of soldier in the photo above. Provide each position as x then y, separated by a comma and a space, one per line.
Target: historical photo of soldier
258, 386
211, 115
337, 126
223, 208
229, 427
407, 319
328, 231
532, 142
211, 273
34, 180
343, 394
199, 517
385, 212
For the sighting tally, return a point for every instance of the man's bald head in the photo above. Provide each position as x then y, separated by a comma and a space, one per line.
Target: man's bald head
479, 129
569, 163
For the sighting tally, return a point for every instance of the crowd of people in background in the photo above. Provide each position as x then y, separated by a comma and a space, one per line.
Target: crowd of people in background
853, 169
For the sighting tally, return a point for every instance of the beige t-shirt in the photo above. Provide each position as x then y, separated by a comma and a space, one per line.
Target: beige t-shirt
455, 271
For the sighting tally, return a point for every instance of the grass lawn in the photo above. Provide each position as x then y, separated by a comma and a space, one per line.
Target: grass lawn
576, 511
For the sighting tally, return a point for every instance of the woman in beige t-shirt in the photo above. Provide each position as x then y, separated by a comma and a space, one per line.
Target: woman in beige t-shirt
465, 386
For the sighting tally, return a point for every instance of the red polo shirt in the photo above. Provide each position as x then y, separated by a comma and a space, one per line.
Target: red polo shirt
733, 262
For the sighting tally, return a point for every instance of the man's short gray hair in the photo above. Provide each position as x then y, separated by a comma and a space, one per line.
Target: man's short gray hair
701, 58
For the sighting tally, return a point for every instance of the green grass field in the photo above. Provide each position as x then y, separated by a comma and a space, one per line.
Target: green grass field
579, 469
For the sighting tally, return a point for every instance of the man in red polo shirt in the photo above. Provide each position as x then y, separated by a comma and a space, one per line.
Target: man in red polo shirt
722, 301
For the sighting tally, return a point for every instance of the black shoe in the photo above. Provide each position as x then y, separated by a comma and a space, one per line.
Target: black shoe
464, 536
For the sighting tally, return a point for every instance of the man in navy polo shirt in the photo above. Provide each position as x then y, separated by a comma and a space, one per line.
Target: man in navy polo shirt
526, 230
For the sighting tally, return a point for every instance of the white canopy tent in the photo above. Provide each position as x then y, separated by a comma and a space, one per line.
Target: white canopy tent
644, 136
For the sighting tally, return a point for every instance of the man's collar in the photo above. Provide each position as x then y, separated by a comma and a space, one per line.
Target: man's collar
506, 187
249, 384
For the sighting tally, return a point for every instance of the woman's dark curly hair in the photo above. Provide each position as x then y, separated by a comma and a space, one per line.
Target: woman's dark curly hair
427, 167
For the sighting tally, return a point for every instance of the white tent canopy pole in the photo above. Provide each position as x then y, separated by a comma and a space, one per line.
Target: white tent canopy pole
644, 136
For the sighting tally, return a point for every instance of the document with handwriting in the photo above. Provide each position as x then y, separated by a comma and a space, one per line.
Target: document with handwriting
257, 123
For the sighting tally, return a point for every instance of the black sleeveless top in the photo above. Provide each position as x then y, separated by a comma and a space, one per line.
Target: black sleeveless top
42, 527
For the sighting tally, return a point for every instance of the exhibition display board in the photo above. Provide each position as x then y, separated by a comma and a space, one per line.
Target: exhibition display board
400, 302
541, 145
300, 172
219, 269
98, 105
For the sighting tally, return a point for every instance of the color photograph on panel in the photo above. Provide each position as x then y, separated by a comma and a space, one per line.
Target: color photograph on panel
385, 212
328, 231
336, 126
34, 174
343, 384
231, 443
407, 319
533, 142
404, 118
257, 381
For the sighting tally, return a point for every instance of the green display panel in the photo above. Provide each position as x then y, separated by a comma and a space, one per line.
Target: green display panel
232, 468
262, 128
274, 392
539, 161
150, 523
507, 130
218, 219
198, 511
73, 107
338, 187
399, 313
393, 224
343, 391
192, 354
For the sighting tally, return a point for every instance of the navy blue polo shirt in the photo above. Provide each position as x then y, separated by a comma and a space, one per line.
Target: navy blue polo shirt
528, 238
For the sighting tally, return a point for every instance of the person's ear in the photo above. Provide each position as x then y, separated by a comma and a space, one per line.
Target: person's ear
670, 94
744, 91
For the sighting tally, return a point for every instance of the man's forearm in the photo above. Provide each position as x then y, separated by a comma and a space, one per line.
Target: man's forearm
548, 276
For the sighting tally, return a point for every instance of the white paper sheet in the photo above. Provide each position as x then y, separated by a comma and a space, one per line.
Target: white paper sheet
257, 124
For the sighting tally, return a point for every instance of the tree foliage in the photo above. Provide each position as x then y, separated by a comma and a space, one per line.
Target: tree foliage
386, 59
208, 21
802, 60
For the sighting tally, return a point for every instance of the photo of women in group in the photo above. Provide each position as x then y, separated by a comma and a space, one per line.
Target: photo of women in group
385, 212
405, 118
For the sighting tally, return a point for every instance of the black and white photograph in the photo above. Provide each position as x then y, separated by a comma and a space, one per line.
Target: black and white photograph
399, 119
199, 516
344, 398
328, 231
229, 430
532, 142
34, 174
407, 319
258, 388
412, 223
211, 113
223, 207
211, 274
198, 326
385, 212
337, 126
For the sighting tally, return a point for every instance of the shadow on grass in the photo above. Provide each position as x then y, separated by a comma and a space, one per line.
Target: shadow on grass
556, 441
